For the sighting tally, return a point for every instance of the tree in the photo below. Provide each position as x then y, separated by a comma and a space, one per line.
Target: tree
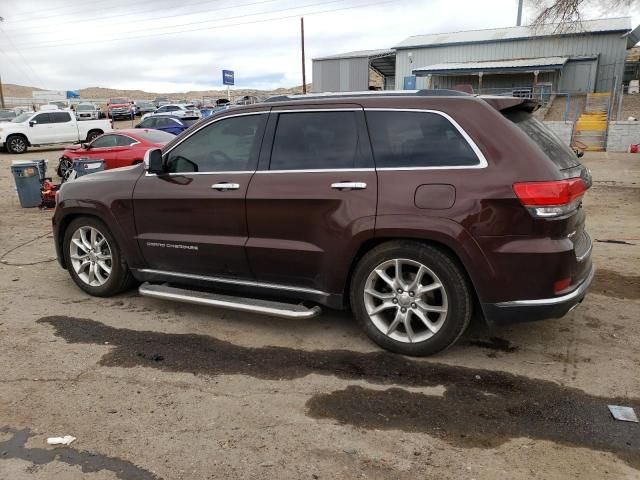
568, 13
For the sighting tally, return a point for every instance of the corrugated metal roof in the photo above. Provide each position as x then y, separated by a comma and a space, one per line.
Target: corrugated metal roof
622, 24
487, 66
358, 54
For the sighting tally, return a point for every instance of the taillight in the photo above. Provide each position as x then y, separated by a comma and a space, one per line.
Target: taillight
558, 198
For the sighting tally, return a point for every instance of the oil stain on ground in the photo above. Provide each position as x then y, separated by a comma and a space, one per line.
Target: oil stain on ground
87, 461
480, 408
614, 284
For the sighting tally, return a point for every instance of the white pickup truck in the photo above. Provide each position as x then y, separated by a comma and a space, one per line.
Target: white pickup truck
48, 127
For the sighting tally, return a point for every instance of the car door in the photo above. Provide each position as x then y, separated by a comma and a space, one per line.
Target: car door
41, 129
313, 200
192, 220
105, 148
64, 129
126, 153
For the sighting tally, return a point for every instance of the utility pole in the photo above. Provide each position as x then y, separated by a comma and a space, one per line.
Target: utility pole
519, 22
1, 92
304, 74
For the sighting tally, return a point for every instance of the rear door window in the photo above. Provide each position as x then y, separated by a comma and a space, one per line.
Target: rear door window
417, 139
60, 117
315, 140
549, 143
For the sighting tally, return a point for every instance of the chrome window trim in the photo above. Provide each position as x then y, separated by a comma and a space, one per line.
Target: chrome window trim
580, 289
320, 170
232, 281
481, 158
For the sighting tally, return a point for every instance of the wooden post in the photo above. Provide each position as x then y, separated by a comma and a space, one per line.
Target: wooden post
1, 94
304, 74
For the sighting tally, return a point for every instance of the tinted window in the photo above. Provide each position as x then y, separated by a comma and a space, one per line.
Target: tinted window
155, 136
417, 139
227, 145
189, 121
166, 122
309, 140
42, 118
60, 117
123, 140
548, 141
148, 123
171, 108
105, 141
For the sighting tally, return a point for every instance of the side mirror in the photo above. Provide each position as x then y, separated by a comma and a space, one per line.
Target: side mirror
153, 161
32, 123
86, 146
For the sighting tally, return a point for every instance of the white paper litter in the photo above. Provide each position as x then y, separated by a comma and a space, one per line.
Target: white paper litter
625, 414
66, 440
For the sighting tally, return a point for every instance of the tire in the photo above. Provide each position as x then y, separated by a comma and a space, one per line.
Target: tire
92, 135
64, 168
436, 318
117, 280
16, 144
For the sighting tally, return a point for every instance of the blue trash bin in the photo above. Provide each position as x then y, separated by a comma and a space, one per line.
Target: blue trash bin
85, 166
27, 178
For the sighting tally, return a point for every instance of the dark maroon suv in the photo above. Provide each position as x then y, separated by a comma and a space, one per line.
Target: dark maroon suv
413, 209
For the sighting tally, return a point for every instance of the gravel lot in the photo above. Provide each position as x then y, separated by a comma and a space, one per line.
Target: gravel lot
153, 389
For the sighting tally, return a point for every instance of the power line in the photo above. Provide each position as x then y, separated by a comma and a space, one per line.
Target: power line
22, 57
212, 27
84, 20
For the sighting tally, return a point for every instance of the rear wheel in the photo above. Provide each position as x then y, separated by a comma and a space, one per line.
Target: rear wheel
92, 135
411, 298
93, 258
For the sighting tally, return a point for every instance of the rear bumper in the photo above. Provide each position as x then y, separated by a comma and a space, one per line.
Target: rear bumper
517, 311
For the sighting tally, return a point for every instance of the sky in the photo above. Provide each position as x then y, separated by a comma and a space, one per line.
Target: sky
182, 45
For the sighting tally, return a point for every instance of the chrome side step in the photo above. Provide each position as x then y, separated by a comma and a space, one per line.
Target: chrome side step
254, 305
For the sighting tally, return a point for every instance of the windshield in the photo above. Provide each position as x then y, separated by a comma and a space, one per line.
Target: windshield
118, 100
189, 121
549, 143
85, 107
7, 114
145, 104
155, 136
23, 117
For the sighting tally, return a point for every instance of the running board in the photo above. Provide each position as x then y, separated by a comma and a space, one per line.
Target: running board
253, 305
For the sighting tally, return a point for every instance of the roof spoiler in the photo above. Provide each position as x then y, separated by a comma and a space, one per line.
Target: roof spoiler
502, 104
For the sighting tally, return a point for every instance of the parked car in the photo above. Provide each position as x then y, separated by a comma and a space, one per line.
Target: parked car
60, 104
168, 123
7, 115
159, 101
143, 106
413, 209
177, 109
119, 148
49, 126
120, 108
87, 111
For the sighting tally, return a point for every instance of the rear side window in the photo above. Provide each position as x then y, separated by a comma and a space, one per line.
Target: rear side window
417, 139
124, 141
60, 117
315, 140
551, 145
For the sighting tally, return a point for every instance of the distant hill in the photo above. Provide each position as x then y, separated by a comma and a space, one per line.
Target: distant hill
11, 90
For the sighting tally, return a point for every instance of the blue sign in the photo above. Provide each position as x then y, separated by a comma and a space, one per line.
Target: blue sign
227, 77
410, 82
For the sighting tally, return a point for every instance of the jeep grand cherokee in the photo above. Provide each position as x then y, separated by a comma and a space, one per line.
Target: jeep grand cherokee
412, 209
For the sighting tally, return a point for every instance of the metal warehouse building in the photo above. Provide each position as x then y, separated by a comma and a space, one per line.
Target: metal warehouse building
586, 58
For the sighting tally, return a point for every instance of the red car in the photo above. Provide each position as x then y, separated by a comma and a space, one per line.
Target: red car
119, 148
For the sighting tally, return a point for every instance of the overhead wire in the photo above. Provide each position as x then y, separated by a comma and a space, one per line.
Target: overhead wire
212, 27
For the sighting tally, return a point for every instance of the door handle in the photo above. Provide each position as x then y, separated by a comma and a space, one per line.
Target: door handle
225, 186
349, 186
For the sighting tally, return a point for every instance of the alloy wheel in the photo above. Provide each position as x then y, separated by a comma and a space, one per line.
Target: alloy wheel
91, 256
17, 145
405, 300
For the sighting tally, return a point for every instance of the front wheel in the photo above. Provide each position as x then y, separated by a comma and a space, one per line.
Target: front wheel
93, 258
16, 144
411, 298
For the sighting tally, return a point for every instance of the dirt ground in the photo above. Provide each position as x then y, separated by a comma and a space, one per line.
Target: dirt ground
153, 389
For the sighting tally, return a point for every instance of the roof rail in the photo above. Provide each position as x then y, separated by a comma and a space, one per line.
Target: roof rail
437, 92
